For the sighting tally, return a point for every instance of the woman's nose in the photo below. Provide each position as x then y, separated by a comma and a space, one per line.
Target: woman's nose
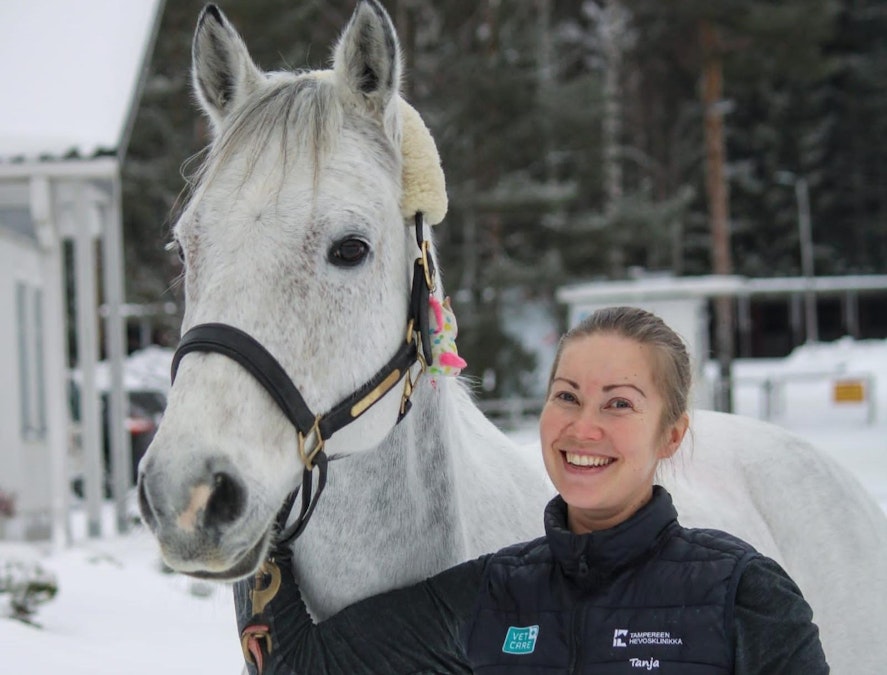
587, 424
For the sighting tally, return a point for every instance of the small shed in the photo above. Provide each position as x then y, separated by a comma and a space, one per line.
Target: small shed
70, 83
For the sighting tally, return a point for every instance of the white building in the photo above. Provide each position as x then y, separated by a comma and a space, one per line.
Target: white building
70, 81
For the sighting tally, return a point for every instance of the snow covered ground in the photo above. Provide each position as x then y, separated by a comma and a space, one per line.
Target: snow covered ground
117, 612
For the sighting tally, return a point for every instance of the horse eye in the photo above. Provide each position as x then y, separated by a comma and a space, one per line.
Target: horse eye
174, 245
348, 252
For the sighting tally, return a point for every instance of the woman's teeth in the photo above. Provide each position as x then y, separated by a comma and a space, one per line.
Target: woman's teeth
587, 460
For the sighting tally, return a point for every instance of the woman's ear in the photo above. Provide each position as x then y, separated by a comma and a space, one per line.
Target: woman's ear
674, 435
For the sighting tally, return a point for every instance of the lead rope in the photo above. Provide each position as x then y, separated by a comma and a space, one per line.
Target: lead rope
255, 639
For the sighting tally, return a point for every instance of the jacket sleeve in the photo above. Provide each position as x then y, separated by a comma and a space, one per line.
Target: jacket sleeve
774, 625
409, 630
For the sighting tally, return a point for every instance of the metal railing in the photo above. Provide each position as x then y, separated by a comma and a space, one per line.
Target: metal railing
773, 388
509, 413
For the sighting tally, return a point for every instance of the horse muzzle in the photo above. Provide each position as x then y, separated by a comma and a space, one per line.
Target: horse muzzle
197, 521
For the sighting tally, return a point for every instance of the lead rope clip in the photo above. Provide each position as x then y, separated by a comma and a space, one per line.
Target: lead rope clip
251, 642
255, 640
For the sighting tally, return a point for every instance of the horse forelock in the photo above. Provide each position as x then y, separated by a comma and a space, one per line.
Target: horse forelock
303, 116
292, 114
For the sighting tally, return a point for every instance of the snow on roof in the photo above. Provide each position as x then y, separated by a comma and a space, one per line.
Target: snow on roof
671, 287
648, 288
70, 74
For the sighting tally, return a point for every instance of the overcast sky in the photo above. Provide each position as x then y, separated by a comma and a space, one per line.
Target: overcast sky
69, 72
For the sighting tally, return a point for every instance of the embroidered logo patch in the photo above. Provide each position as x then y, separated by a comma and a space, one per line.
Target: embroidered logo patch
622, 637
619, 637
520, 640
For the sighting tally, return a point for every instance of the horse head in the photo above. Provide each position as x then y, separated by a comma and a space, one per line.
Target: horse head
294, 233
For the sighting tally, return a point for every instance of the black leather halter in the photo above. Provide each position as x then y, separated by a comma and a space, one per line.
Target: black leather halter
314, 430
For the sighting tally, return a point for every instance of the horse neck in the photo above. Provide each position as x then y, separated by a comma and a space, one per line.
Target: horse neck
388, 516
445, 486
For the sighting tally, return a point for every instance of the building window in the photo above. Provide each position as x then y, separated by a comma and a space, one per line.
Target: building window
18, 219
15, 214
32, 386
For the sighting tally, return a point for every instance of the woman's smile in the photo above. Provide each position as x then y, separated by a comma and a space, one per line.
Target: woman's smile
586, 463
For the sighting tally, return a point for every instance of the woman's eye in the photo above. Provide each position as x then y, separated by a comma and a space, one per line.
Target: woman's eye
565, 396
349, 252
621, 404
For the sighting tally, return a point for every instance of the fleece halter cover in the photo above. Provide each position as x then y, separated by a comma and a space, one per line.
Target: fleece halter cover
424, 185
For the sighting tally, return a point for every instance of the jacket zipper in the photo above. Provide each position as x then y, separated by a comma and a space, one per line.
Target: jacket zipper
576, 642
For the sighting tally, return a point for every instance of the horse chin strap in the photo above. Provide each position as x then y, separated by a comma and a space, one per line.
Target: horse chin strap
312, 431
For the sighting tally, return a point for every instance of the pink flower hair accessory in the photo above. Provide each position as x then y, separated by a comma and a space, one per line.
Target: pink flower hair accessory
445, 356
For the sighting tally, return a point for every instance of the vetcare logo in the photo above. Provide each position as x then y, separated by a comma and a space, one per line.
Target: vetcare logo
520, 640
622, 637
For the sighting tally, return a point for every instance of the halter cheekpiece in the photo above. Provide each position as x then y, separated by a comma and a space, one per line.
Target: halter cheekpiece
312, 431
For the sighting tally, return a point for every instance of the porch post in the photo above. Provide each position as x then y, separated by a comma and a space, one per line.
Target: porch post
119, 441
87, 358
58, 414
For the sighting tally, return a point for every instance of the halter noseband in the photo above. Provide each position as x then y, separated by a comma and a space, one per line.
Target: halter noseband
312, 431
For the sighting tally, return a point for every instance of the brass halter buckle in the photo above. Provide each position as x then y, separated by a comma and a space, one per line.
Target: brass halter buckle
409, 382
308, 457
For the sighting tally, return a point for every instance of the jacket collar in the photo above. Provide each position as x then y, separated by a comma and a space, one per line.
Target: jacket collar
586, 557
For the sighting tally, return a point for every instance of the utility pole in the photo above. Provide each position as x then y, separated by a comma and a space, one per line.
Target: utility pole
544, 79
802, 194
611, 29
805, 240
718, 204
613, 35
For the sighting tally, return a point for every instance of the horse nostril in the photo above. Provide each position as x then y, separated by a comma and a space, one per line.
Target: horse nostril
145, 506
226, 502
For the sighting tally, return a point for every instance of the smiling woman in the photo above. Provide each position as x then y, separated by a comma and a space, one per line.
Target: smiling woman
616, 583
615, 407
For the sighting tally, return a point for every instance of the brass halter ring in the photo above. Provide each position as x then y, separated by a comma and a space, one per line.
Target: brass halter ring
409, 382
427, 267
308, 457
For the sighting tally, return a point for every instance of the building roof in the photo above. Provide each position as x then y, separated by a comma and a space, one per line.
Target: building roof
668, 287
71, 74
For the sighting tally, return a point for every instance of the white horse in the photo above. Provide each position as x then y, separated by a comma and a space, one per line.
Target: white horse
299, 232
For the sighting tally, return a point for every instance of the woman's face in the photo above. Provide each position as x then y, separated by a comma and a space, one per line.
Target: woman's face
601, 430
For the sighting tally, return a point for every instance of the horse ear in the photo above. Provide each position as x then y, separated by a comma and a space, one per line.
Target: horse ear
367, 57
222, 71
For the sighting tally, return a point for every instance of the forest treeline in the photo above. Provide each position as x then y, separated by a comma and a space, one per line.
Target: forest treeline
572, 136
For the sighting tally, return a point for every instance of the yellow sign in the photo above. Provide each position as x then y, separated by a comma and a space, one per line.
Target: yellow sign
849, 391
